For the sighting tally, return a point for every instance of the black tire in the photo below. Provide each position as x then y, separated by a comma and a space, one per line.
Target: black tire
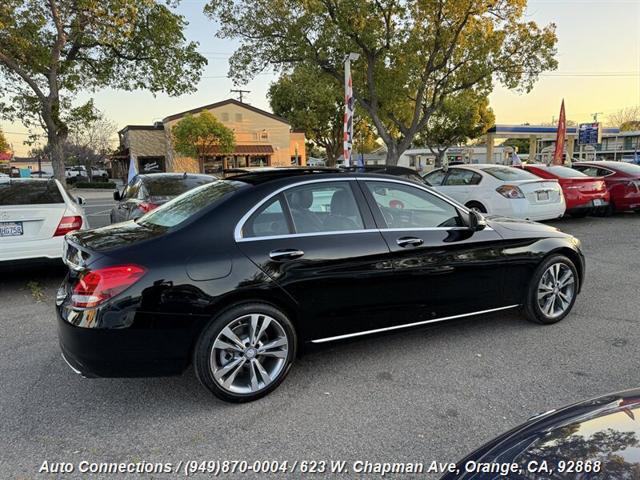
607, 211
531, 308
476, 206
202, 355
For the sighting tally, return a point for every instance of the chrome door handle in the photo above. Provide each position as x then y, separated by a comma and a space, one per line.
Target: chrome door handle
409, 241
286, 254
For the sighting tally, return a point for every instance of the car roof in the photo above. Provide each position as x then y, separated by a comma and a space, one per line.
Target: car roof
259, 178
177, 176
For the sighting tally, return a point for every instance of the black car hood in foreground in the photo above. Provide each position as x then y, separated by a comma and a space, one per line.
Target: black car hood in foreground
605, 429
526, 227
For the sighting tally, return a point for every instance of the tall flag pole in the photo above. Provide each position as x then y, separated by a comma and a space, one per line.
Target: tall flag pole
562, 132
348, 109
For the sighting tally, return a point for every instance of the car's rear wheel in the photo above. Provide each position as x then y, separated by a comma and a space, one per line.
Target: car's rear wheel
477, 206
245, 352
552, 291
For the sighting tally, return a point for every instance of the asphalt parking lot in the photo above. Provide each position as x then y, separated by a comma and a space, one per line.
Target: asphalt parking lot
434, 393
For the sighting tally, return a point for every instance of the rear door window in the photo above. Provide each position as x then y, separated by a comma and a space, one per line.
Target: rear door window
24, 192
269, 220
172, 186
462, 177
435, 178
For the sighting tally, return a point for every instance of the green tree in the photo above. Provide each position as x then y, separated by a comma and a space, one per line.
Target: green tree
522, 144
4, 144
459, 119
51, 50
313, 101
413, 53
197, 136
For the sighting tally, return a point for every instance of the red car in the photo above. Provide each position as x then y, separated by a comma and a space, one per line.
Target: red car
583, 194
622, 179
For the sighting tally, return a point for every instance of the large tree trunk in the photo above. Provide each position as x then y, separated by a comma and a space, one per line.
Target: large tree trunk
56, 152
440, 158
393, 153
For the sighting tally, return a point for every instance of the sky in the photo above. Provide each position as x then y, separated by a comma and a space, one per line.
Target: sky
598, 55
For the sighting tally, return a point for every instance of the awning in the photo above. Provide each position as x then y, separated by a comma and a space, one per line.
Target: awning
244, 150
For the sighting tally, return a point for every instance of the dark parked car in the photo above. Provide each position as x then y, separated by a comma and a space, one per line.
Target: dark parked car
622, 180
149, 191
396, 171
236, 275
594, 439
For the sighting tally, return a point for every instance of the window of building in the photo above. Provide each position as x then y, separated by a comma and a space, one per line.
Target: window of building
238, 117
224, 116
264, 135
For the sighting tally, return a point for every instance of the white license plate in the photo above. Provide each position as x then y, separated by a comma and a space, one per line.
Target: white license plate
598, 202
11, 229
543, 196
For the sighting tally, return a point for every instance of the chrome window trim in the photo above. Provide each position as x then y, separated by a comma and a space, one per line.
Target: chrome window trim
407, 325
238, 229
237, 233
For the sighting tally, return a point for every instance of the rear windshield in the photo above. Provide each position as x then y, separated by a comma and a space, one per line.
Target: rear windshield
29, 192
509, 174
184, 206
562, 172
624, 167
173, 186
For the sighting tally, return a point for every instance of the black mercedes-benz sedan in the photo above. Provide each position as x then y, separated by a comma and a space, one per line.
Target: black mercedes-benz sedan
236, 275
597, 439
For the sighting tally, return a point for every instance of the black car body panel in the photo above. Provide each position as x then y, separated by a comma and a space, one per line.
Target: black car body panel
347, 281
603, 429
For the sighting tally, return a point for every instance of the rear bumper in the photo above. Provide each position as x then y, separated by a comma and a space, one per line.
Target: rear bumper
122, 352
521, 208
589, 205
50, 248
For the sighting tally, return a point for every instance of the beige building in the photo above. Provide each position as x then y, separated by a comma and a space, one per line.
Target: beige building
262, 139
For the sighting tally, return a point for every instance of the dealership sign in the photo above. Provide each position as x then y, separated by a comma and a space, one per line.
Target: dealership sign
589, 133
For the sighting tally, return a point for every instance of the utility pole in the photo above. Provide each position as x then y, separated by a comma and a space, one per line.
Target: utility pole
595, 116
240, 93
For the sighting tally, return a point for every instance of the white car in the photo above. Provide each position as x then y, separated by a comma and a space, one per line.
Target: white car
35, 215
501, 190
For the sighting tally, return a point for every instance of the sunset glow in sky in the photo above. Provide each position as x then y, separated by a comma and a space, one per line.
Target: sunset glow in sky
598, 53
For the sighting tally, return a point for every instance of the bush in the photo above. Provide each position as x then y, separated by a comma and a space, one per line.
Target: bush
103, 185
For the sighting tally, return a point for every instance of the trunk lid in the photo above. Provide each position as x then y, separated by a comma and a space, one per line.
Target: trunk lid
539, 192
585, 184
37, 222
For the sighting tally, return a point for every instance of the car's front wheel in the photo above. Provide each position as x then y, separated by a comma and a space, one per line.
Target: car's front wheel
552, 291
245, 352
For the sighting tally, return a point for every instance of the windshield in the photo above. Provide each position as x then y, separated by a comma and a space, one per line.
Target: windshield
184, 206
172, 186
509, 174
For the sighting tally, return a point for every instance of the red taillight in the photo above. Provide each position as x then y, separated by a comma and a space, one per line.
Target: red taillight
68, 224
98, 286
147, 206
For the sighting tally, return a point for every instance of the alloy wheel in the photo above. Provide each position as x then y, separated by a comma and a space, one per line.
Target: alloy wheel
249, 353
556, 290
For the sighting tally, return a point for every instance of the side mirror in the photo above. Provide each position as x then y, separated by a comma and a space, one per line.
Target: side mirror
80, 200
476, 221
116, 196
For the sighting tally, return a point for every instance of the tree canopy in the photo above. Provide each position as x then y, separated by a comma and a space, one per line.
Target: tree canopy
51, 50
313, 101
197, 136
626, 119
414, 53
4, 144
459, 119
